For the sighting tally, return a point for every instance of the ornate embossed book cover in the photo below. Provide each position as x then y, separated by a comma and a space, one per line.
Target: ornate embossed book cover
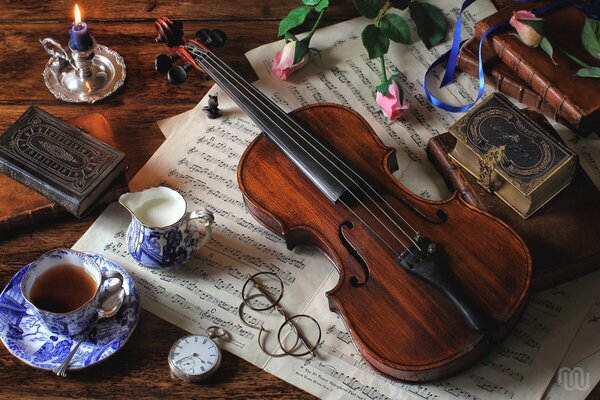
511, 155
59, 160
21, 207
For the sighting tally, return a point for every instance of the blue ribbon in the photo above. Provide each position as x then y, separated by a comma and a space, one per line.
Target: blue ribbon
593, 11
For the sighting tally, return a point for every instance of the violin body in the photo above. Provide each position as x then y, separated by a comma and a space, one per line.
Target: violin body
404, 326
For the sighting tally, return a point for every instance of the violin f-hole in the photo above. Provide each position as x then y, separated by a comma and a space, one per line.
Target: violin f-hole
354, 280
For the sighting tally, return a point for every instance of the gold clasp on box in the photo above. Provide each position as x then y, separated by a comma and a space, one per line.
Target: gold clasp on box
488, 177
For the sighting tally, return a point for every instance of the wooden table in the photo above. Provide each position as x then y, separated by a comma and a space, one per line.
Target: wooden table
140, 368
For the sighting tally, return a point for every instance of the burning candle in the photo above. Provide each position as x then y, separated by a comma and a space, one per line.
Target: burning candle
79, 33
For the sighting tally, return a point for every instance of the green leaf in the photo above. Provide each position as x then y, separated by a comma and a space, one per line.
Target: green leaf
311, 3
323, 4
590, 37
375, 41
301, 50
431, 23
547, 47
536, 23
591, 72
384, 86
295, 18
401, 4
367, 8
289, 36
396, 28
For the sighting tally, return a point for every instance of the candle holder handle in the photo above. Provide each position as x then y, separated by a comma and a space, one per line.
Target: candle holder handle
55, 49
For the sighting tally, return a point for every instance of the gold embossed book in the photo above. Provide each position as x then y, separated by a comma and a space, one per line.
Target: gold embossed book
511, 155
59, 160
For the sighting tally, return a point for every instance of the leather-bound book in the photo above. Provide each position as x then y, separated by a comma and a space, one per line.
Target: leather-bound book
575, 98
502, 78
562, 236
21, 207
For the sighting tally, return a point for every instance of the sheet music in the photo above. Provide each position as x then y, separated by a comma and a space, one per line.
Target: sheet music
199, 159
581, 361
586, 368
342, 41
587, 149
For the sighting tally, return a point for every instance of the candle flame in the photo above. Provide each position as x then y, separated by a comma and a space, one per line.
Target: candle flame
77, 15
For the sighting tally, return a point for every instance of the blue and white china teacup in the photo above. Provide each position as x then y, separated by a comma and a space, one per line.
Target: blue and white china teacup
62, 288
160, 234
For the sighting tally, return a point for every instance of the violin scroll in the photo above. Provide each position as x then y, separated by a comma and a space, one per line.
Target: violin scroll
168, 32
185, 54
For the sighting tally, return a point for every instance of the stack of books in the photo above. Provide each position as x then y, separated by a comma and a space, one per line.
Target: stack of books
528, 74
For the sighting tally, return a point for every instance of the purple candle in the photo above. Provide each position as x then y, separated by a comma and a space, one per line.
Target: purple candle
79, 33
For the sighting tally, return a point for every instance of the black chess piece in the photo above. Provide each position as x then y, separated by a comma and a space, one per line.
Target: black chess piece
212, 109
178, 74
164, 62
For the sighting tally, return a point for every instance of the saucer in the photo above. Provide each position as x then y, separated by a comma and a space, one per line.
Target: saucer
28, 339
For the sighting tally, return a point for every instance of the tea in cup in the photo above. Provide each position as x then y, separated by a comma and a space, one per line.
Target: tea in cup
62, 288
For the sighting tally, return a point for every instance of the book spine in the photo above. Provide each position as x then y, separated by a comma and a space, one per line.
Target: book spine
508, 84
35, 217
536, 81
32, 183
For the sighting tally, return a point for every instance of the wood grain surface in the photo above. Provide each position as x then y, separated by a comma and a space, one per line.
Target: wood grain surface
140, 368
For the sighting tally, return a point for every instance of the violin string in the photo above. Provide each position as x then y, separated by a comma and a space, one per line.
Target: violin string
275, 110
243, 83
350, 209
349, 191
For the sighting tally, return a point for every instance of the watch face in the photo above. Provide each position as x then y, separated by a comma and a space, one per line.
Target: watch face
194, 357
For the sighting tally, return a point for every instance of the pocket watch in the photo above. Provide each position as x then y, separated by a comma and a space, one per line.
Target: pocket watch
194, 358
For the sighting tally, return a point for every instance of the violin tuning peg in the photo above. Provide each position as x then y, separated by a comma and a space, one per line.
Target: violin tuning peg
164, 62
218, 37
178, 74
203, 36
208, 37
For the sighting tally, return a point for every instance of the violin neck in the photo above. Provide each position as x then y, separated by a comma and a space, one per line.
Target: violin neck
311, 156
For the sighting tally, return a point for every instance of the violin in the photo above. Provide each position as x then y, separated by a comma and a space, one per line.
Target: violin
425, 287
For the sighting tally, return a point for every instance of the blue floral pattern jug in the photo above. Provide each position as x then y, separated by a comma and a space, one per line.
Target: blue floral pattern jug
161, 233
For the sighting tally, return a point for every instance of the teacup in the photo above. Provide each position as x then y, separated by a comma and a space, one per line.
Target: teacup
62, 288
160, 234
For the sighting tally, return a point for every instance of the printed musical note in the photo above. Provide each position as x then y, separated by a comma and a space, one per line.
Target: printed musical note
488, 386
341, 335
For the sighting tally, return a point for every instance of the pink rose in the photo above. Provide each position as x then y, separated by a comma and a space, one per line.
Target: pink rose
392, 104
527, 34
283, 64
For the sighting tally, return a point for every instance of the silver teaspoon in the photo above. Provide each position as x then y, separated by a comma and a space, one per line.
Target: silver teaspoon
110, 303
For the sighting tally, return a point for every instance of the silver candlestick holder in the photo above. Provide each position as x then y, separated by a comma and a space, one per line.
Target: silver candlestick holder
83, 76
